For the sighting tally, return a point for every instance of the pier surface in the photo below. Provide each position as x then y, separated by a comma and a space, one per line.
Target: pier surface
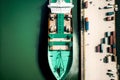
97, 51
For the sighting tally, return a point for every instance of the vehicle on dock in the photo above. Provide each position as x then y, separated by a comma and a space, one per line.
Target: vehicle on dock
110, 18
109, 13
108, 7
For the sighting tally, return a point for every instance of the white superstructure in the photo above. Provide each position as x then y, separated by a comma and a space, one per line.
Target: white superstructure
60, 6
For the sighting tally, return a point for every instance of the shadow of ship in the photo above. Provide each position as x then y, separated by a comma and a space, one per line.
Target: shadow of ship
43, 45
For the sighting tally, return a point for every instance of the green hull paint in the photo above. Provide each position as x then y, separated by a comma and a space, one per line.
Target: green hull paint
60, 63
60, 23
60, 36
67, 1
54, 1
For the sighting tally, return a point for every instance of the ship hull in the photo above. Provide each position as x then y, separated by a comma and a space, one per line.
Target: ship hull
60, 44
60, 68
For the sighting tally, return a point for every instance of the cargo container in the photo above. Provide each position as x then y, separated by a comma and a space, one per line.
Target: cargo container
107, 34
112, 58
114, 51
86, 24
101, 48
86, 4
109, 50
98, 48
114, 38
111, 40
103, 40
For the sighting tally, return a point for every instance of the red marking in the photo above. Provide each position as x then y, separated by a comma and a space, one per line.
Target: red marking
86, 19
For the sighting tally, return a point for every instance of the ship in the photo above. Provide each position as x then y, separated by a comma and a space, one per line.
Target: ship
60, 37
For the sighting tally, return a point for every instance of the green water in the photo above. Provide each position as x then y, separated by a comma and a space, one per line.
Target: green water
19, 32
